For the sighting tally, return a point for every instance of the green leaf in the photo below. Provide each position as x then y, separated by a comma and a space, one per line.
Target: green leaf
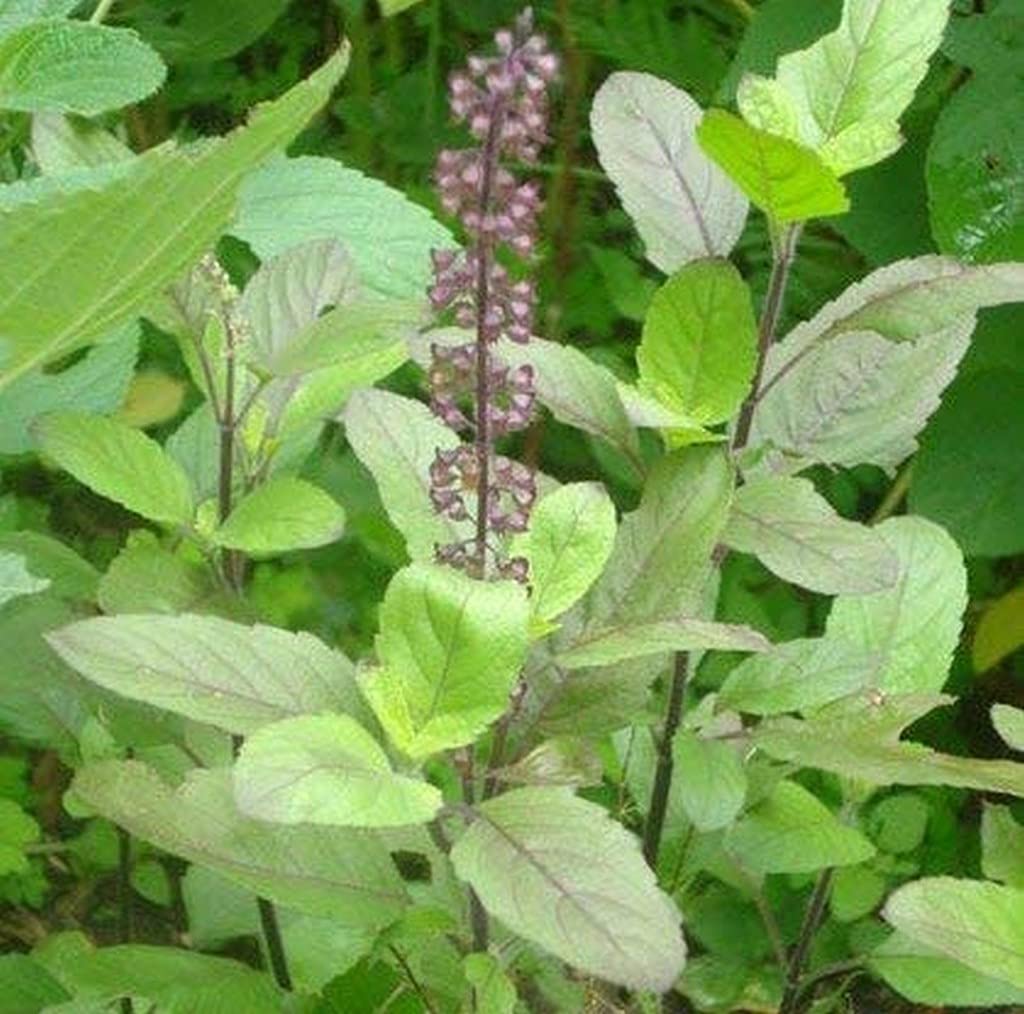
344, 874
898, 823
450, 650
17, 829
788, 182
75, 67
859, 738
389, 238
389, 8
69, 575
975, 173
229, 675
279, 516
856, 892
978, 924
27, 988
1009, 723
326, 769
926, 976
397, 439
1002, 845
969, 476
537, 851
797, 535
712, 784
97, 384
571, 534
865, 73
493, 991
698, 347
61, 143
1000, 631
662, 552
118, 462
15, 13
616, 644
798, 676
916, 623
682, 204
791, 831
139, 225
566, 760
15, 579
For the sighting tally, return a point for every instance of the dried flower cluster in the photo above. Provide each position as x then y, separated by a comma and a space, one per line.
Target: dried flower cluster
503, 101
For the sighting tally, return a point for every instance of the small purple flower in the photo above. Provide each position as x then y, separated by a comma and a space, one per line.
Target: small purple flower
502, 99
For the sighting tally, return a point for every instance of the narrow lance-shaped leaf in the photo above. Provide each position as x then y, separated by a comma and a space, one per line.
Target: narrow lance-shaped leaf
118, 462
1002, 845
137, 225
788, 182
343, 874
794, 532
683, 205
75, 67
698, 347
326, 769
281, 515
450, 649
227, 674
535, 852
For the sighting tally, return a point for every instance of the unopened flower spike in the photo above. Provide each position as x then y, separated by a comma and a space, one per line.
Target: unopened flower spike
503, 101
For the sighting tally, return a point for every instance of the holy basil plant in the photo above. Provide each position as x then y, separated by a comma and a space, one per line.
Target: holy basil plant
521, 799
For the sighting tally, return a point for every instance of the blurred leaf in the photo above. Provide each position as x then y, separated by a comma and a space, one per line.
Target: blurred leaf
27, 988
1002, 845
60, 143
15, 579
856, 892
15, 13
152, 398
1000, 631
17, 829
1009, 723
898, 822
493, 991
70, 576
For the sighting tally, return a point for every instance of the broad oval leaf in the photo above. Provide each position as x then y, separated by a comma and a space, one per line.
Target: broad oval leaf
915, 624
281, 515
698, 347
118, 462
682, 204
75, 67
712, 783
450, 649
558, 871
976, 923
326, 769
227, 674
797, 535
788, 182
343, 874
571, 534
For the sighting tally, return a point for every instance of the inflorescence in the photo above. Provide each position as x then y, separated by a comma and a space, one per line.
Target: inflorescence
503, 101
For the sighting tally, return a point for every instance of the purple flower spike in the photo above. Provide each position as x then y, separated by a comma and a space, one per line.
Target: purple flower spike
502, 100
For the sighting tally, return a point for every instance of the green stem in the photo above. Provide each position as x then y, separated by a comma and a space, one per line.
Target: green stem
124, 899
794, 988
894, 495
744, 9
102, 10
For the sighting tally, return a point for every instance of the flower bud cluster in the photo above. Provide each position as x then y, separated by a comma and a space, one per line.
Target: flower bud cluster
503, 101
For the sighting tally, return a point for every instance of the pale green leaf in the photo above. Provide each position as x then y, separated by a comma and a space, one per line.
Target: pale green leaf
15, 13
662, 553
712, 783
227, 674
75, 67
493, 991
861, 145
788, 182
397, 439
388, 237
616, 644
682, 204
856, 892
15, 579
698, 347
61, 143
859, 738
571, 534
925, 975
450, 650
138, 225
916, 623
326, 769
796, 534
792, 831
1002, 845
389, 8
566, 760
765, 105
119, 463
1009, 723
70, 576
17, 829
536, 852
344, 874
798, 676
279, 516
866, 70
978, 924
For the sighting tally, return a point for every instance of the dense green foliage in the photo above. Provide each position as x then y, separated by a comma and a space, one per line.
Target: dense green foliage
749, 736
